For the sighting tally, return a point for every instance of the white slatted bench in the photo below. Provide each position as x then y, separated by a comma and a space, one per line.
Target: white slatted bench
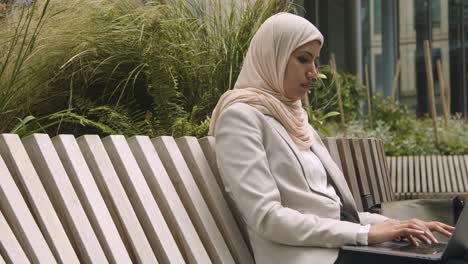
112, 200
137, 200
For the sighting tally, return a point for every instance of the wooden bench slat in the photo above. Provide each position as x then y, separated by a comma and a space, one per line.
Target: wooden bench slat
359, 162
442, 176
453, 177
399, 174
435, 174
424, 183
116, 199
411, 174
17, 213
386, 171
10, 248
84, 184
458, 172
332, 147
417, 173
393, 173
192, 199
35, 195
65, 200
166, 196
379, 171
146, 208
349, 171
429, 173
206, 182
370, 170
405, 184
448, 178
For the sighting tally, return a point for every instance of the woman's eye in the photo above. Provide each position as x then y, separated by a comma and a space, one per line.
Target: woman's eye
303, 59
317, 63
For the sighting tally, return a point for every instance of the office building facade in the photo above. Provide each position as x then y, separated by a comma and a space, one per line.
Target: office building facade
377, 34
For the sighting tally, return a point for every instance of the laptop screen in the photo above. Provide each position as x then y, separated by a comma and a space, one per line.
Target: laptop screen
457, 247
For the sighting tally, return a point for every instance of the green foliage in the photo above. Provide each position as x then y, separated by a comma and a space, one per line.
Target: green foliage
405, 134
170, 60
18, 46
318, 122
323, 94
158, 68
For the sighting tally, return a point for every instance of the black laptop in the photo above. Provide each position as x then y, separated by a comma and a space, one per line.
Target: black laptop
455, 248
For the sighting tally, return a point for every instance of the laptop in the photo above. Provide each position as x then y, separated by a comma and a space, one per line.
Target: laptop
455, 248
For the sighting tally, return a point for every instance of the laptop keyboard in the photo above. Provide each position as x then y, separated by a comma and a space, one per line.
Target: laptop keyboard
426, 249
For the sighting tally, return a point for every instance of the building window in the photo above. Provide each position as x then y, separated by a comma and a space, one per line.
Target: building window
436, 55
377, 16
378, 72
435, 10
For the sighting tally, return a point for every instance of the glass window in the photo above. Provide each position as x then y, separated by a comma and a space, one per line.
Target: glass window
377, 16
436, 55
435, 10
378, 72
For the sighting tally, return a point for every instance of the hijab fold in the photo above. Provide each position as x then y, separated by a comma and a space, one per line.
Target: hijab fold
260, 82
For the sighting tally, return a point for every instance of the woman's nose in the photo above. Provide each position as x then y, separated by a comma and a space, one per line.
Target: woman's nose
311, 75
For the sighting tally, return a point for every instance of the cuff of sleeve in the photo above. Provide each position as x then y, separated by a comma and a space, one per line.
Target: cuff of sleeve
362, 235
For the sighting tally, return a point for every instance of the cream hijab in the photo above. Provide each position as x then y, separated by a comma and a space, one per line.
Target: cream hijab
260, 82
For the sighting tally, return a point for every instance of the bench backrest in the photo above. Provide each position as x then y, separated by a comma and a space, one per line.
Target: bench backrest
67, 200
138, 199
364, 166
429, 176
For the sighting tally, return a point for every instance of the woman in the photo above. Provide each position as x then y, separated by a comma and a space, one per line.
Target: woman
292, 196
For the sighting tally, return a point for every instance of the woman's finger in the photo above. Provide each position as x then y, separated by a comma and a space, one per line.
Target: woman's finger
445, 226
410, 232
413, 241
442, 231
412, 225
431, 236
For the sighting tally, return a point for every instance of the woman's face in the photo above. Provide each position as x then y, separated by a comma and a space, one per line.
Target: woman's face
301, 70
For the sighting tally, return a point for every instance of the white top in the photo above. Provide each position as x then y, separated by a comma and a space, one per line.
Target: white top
315, 167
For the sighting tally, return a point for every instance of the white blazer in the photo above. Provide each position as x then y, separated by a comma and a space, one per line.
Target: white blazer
288, 219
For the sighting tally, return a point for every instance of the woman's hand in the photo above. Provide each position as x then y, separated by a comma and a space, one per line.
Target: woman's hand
412, 229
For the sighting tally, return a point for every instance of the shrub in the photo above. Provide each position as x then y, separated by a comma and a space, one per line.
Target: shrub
405, 134
169, 61
323, 94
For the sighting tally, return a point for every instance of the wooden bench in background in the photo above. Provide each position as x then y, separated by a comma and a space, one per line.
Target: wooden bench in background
397, 178
433, 176
363, 164
365, 168
138, 200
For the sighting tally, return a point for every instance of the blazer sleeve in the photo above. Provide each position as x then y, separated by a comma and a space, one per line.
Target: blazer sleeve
372, 219
244, 167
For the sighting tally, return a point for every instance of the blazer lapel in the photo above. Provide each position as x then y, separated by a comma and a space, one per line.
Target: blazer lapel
284, 134
337, 177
